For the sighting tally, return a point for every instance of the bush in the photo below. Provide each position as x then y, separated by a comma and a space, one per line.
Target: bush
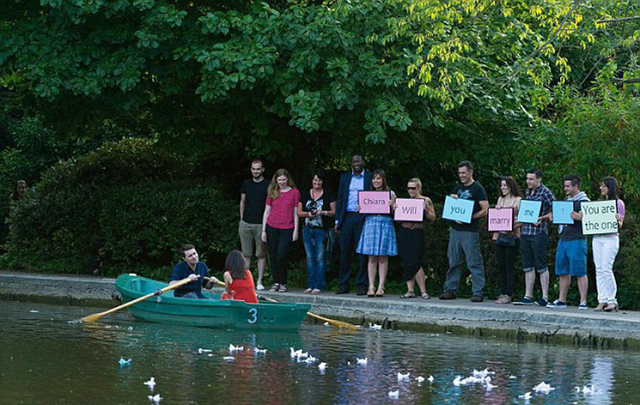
116, 206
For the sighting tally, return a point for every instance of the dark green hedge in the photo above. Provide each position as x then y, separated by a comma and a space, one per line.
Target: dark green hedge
126, 204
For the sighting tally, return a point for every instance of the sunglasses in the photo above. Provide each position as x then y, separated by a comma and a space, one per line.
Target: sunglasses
411, 188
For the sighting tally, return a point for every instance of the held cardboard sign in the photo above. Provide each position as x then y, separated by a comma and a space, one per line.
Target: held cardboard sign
562, 212
599, 217
529, 211
409, 209
500, 219
458, 209
374, 202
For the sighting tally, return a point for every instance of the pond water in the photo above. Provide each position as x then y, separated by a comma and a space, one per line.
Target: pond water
45, 359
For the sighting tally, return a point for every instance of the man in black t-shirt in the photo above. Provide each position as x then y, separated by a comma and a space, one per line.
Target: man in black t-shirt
253, 196
464, 239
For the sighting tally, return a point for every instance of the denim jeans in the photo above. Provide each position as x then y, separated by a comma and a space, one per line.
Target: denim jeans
279, 243
314, 241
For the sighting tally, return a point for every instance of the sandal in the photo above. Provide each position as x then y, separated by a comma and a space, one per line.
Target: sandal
408, 294
424, 295
283, 288
371, 292
611, 307
380, 292
601, 306
275, 287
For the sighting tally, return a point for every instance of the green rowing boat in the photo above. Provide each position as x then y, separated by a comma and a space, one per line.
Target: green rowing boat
212, 312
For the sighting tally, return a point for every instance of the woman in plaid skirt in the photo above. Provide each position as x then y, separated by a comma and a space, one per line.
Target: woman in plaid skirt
378, 238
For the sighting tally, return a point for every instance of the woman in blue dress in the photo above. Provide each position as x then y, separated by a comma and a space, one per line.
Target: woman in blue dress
378, 238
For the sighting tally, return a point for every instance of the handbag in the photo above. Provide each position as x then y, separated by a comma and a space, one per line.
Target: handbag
506, 240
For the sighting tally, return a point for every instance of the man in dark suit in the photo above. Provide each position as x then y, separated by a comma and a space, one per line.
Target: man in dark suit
349, 223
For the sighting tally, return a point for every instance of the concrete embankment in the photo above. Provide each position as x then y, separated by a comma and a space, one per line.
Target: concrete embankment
461, 317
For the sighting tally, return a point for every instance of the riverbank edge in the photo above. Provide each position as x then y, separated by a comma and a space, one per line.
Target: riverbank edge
459, 317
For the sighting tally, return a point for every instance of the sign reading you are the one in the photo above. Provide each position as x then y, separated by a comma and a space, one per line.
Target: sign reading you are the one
599, 217
374, 202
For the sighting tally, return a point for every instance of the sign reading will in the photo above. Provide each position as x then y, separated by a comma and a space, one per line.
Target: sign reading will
409, 209
599, 217
458, 209
374, 202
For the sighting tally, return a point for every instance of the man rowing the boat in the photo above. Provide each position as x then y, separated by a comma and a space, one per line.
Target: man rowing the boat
193, 268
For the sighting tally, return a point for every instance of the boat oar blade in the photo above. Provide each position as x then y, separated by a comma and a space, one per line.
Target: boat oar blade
95, 317
334, 322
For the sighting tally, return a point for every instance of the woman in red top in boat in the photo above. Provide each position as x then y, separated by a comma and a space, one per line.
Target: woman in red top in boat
238, 281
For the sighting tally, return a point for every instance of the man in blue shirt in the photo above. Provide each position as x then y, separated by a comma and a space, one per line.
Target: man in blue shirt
349, 223
191, 267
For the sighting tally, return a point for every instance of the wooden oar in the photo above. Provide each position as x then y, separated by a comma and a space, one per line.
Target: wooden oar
334, 322
95, 317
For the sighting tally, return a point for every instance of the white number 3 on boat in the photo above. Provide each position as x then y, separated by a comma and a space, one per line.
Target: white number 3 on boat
253, 315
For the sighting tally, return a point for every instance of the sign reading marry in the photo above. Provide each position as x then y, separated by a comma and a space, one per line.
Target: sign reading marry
457, 209
374, 202
599, 217
500, 219
529, 211
409, 209
562, 212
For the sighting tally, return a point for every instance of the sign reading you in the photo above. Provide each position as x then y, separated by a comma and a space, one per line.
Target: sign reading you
374, 202
409, 209
458, 209
599, 217
500, 219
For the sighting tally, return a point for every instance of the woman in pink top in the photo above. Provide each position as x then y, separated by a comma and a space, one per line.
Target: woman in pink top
280, 224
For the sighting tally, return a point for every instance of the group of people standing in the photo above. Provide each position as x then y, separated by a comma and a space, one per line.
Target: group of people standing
270, 214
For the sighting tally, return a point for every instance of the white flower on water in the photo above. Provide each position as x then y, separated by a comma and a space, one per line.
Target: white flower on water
512, 377
201, 350
155, 398
124, 362
589, 390
375, 326
233, 349
362, 362
322, 366
543, 387
228, 358
151, 383
327, 324
430, 379
259, 351
420, 379
456, 381
402, 377
33, 311
527, 396
394, 394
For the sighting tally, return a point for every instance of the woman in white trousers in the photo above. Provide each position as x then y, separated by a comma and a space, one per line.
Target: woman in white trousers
605, 248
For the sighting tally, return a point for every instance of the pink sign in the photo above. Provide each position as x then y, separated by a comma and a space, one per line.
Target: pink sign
500, 219
409, 209
374, 202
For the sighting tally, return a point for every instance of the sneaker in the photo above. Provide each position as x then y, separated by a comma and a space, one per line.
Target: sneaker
583, 306
542, 302
477, 298
260, 287
315, 291
557, 304
275, 287
524, 301
283, 288
448, 295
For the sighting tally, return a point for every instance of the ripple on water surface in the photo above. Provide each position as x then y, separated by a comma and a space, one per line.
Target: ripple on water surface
46, 359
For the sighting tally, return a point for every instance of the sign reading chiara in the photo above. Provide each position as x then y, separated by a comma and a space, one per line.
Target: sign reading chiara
374, 202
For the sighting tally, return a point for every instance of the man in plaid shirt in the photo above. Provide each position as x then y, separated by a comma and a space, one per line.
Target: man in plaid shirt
534, 241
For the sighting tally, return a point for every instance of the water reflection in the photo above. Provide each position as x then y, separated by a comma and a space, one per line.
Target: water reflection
40, 352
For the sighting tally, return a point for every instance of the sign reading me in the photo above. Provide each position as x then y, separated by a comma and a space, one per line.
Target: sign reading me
599, 217
374, 202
